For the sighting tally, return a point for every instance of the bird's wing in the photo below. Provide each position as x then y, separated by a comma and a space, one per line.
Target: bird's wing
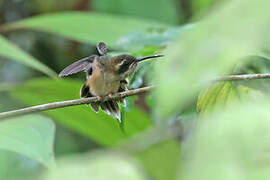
102, 48
82, 65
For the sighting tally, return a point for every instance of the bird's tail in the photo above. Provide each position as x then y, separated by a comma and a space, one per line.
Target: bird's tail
110, 107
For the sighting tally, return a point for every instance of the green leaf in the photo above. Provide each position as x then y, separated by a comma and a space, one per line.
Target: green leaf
84, 27
10, 50
31, 135
209, 49
12, 168
162, 161
216, 95
162, 10
100, 127
153, 37
199, 6
222, 95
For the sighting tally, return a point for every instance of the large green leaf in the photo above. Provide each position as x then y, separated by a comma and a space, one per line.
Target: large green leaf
10, 50
100, 127
162, 10
31, 135
84, 27
199, 6
18, 167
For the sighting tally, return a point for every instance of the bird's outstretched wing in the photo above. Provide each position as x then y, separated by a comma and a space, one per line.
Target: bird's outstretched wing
81, 65
102, 48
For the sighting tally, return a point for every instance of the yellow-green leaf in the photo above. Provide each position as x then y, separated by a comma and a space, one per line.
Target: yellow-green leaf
221, 95
218, 94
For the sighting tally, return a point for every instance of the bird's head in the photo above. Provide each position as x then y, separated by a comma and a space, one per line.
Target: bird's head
125, 64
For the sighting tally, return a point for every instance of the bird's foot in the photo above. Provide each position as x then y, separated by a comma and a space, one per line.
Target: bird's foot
99, 98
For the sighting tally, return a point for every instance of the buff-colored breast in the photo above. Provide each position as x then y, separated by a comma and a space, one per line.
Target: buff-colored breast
102, 84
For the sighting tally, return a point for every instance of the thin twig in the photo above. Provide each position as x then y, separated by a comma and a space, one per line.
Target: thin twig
61, 104
243, 77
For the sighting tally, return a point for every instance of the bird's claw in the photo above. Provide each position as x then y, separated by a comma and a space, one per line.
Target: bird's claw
99, 98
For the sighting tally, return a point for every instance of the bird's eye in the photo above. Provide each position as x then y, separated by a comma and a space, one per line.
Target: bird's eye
124, 66
124, 62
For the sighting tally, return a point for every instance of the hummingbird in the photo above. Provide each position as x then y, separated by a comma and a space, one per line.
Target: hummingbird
105, 75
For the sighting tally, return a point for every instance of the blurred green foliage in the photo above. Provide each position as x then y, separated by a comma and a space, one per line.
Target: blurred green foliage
9, 50
96, 29
162, 10
207, 50
200, 6
31, 135
40, 6
85, 166
232, 144
199, 129
166, 155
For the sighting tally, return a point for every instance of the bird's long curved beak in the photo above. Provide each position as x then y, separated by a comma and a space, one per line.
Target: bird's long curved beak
148, 57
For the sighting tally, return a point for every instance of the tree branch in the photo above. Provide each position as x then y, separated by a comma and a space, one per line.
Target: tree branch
61, 104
